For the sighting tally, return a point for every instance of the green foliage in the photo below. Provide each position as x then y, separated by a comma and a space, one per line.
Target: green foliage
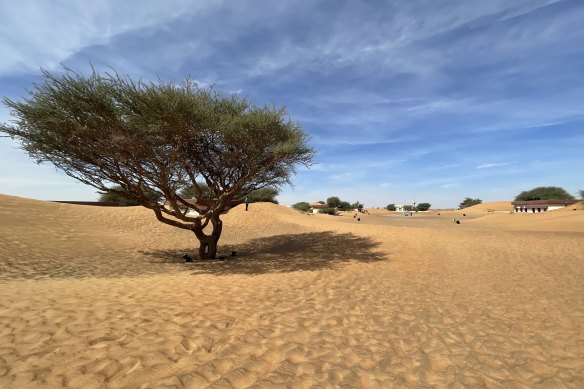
581, 192
333, 202
344, 206
423, 206
357, 205
390, 207
116, 195
408, 208
470, 202
544, 193
267, 195
158, 137
302, 206
328, 211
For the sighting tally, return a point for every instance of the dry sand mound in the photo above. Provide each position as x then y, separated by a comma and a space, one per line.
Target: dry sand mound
491, 206
100, 297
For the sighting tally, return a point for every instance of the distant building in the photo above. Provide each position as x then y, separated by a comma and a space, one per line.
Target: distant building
315, 207
404, 207
534, 206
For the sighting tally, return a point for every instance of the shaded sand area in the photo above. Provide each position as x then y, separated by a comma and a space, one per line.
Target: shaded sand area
99, 297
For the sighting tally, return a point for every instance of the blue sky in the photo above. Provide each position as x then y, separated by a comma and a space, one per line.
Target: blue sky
427, 100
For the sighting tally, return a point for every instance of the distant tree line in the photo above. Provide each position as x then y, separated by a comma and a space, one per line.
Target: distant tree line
334, 205
116, 195
421, 207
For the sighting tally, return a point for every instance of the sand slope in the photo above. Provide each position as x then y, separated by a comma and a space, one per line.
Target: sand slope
491, 206
99, 297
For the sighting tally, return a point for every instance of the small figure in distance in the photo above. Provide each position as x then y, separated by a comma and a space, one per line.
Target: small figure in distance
188, 258
246, 202
358, 219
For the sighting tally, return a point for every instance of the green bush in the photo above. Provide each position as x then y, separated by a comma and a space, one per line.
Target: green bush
424, 206
122, 200
344, 206
470, 202
328, 211
333, 202
302, 206
264, 195
544, 193
391, 207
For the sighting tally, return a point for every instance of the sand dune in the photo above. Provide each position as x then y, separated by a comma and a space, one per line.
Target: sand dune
491, 206
100, 297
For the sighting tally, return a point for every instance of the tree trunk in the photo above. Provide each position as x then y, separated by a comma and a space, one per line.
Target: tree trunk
208, 243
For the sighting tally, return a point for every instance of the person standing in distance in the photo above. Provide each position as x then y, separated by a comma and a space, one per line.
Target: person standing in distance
246, 202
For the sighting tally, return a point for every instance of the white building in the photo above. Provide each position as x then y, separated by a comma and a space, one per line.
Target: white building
534, 206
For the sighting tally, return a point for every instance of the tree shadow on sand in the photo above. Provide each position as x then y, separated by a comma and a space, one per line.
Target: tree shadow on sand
283, 253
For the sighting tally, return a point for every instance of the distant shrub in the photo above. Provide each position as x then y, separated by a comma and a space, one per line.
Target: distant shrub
468, 202
302, 206
424, 206
544, 193
328, 211
115, 194
344, 206
265, 195
333, 202
391, 207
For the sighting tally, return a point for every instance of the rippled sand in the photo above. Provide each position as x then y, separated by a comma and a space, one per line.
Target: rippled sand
100, 297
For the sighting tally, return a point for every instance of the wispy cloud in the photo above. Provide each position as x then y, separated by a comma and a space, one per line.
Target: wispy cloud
493, 164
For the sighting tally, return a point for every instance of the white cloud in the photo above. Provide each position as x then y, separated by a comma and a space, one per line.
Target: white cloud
491, 165
37, 34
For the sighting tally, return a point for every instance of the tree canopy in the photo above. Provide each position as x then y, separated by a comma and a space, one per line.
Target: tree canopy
116, 197
148, 137
344, 206
470, 201
267, 195
302, 206
423, 206
391, 207
333, 202
544, 193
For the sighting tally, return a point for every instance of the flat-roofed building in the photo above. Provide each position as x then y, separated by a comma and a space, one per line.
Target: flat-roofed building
534, 206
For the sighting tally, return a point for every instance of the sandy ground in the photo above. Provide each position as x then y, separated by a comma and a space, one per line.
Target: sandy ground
99, 297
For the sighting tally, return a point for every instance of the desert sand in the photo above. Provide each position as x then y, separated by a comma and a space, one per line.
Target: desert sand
96, 297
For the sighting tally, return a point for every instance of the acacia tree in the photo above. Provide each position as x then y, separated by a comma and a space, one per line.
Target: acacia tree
544, 193
468, 202
333, 202
423, 206
106, 129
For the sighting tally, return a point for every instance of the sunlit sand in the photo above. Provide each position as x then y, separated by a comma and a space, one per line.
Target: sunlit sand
101, 297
